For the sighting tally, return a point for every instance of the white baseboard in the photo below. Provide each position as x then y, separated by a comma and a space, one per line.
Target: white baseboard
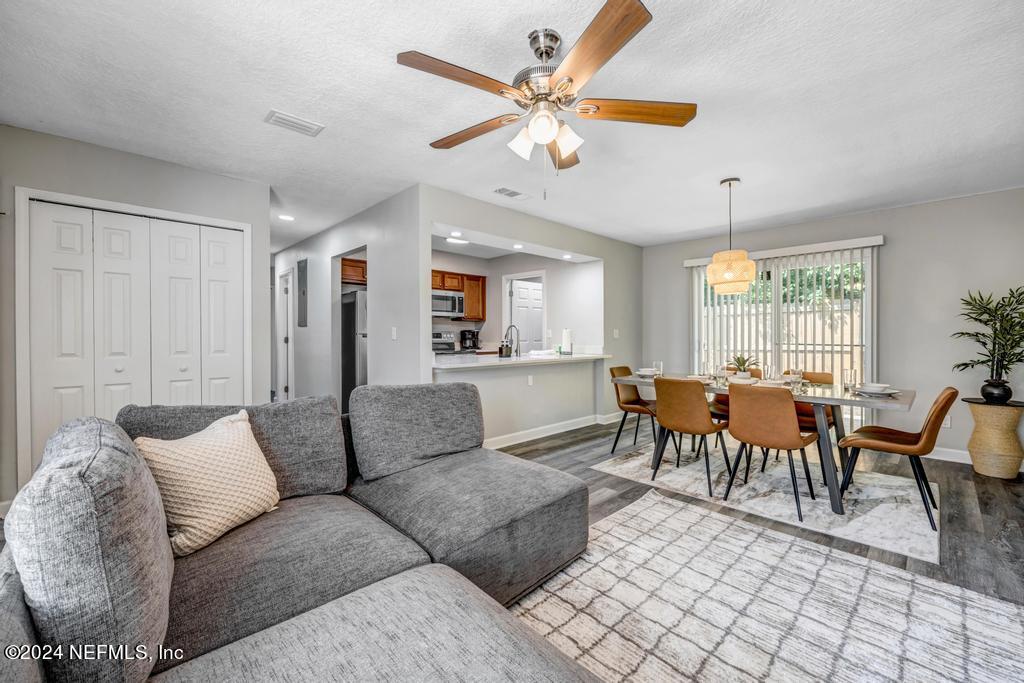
610, 418
954, 455
540, 432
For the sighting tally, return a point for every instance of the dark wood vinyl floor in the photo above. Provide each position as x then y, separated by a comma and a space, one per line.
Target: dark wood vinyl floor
981, 543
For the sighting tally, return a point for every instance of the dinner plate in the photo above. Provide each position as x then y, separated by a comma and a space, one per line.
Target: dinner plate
645, 372
877, 394
773, 383
742, 380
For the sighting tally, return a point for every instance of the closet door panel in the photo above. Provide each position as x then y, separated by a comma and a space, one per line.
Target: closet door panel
121, 281
61, 321
222, 322
175, 312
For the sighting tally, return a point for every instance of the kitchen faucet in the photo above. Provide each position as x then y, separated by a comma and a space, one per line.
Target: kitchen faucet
508, 337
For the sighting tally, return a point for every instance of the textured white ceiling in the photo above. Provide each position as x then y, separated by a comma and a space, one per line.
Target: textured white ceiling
822, 107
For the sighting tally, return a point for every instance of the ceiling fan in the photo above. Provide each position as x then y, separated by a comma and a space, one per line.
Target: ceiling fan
546, 89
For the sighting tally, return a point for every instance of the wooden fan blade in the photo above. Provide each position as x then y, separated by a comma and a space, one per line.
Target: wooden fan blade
638, 111
614, 26
561, 163
418, 60
474, 131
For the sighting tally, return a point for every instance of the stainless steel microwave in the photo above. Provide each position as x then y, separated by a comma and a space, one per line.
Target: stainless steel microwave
447, 304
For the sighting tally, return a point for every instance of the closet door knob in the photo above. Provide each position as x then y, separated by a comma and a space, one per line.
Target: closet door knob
183, 368
118, 369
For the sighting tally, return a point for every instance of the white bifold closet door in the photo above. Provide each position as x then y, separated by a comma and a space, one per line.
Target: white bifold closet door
177, 359
122, 305
221, 327
61, 321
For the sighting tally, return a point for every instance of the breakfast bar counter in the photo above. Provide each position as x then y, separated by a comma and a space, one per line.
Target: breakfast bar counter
470, 361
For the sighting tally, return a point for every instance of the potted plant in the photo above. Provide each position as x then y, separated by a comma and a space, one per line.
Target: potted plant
743, 365
1001, 340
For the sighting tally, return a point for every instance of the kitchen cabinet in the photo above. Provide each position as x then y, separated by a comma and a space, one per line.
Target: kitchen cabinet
451, 281
353, 271
475, 297
436, 279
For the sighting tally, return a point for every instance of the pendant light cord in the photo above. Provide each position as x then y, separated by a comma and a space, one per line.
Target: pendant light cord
730, 216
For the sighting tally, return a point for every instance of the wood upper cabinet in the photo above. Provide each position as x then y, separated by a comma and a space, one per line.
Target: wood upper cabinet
353, 271
436, 279
475, 293
451, 281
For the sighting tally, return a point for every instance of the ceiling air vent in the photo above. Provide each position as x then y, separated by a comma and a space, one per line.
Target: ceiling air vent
304, 126
511, 194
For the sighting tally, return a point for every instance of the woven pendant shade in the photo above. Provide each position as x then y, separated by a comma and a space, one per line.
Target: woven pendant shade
732, 271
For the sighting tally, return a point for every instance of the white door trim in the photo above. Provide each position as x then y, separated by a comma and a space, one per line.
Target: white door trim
23, 304
283, 321
506, 312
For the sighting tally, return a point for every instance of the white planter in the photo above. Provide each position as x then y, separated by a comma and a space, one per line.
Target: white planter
743, 375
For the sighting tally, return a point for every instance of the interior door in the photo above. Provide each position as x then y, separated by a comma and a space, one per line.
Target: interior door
121, 290
174, 269
61, 322
285, 323
528, 314
222, 323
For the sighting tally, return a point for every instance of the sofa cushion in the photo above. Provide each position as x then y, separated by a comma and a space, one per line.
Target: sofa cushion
504, 522
426, 624
398, 427
16, 626
307, 552
89, 540
301, 439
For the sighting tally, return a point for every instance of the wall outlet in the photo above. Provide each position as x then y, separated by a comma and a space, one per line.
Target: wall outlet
394, 334
615, 333
529, 380
948, 422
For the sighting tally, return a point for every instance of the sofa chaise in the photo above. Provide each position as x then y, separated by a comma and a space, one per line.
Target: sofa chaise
396, 542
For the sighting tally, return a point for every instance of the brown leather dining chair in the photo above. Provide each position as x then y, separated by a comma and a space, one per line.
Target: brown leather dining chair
911, 444
683, 408
629, 400
766, 417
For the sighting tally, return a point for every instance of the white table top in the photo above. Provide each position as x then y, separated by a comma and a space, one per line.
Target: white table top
823, 394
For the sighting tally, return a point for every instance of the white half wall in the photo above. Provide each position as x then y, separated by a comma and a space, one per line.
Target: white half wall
933, 254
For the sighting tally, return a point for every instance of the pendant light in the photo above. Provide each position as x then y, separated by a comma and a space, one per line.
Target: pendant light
731, 272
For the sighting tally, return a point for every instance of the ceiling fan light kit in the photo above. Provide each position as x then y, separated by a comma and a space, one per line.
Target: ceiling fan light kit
731, 271
546, 89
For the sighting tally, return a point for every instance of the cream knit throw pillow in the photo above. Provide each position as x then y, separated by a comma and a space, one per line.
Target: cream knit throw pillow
210, 482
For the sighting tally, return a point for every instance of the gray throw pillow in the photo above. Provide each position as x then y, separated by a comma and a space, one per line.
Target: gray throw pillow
90, 544
397, 427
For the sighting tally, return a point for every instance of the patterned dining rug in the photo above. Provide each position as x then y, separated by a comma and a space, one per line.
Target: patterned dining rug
672, 591
882, 511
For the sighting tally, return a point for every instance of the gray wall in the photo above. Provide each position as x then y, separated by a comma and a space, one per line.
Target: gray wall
622, 265
398, 290
933, 254
48, 162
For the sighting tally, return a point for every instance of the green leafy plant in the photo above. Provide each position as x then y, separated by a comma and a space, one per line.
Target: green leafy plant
1002, 339
744, 363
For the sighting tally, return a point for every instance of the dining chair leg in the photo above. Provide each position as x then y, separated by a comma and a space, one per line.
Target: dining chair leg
636, 432
764, 458
796, 490
807, 472
725, 453
927, 484
707, 463
622, 423
851, 463
693, 442
675, 442
654, 434
659, 450
735, 469
915, 465
746, 475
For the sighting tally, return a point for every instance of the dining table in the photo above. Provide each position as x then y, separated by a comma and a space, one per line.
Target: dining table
824, 398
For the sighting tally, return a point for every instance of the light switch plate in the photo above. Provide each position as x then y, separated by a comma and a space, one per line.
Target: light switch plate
394, 334
529, 380
948, 422
615, 333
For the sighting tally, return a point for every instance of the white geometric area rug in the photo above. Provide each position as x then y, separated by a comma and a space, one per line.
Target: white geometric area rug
882, 510
672, 591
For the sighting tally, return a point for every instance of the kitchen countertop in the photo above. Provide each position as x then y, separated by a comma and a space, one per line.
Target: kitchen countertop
473, 361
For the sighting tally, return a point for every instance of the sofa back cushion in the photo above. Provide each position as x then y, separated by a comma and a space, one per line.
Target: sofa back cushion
301, 439
89, 540
397, 427
16, 626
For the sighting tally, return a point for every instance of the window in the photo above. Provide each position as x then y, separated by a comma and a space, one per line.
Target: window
810, 308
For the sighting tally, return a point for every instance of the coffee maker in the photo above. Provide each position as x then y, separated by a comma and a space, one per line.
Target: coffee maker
469, 340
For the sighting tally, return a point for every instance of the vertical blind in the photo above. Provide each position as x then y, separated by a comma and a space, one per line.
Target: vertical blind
806, 311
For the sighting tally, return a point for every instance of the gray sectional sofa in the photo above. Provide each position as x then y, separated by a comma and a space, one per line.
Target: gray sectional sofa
396, 542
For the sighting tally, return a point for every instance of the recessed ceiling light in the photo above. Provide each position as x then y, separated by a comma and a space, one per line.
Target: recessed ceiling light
567, 256
456, 233
286, 217
452, 240
517, 246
